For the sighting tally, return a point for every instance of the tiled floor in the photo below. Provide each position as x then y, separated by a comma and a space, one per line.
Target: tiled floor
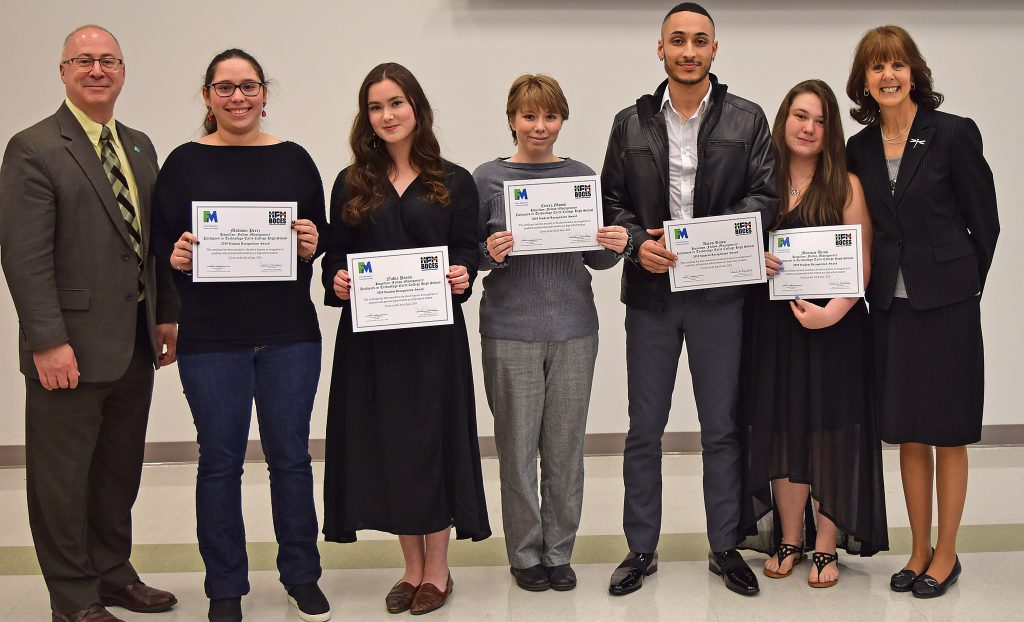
357, 576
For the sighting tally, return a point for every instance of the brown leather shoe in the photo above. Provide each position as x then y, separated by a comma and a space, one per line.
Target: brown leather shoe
428, 598
140, 598
92, 613
399, 599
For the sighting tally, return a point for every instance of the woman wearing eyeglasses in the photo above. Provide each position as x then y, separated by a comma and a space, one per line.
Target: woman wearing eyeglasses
245, 341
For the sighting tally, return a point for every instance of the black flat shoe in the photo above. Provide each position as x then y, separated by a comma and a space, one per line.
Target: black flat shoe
532, 579
927, 587
629, 576
562, 577
734, 571
903, 581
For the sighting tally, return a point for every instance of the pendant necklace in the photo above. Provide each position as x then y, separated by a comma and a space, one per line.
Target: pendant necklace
795, 189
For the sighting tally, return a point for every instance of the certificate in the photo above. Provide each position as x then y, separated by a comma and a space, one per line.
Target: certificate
716, 251
243, 241
818, 262
555, 215
400, 289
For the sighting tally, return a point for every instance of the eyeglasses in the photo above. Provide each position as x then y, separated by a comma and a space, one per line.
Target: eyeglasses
107, 63
227, 89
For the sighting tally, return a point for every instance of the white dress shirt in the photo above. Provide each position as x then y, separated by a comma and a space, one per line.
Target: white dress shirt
682, 155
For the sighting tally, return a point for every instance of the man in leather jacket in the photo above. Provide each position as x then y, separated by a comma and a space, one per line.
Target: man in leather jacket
689, 150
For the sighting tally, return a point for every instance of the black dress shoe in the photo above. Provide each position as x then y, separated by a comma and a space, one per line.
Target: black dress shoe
562, 577
629, 576
927, 587
734, 570
532, 579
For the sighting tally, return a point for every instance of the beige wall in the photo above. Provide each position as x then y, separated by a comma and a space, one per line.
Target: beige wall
466, 53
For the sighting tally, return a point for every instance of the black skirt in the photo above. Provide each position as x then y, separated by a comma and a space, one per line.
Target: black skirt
929, 373
805, 409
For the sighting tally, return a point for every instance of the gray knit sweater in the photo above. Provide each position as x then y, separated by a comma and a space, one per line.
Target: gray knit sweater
533, 297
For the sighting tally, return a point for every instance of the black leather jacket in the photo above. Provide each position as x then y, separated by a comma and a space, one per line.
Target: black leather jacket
735, 174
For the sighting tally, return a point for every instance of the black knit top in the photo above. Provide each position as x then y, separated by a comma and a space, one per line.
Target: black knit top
225, 316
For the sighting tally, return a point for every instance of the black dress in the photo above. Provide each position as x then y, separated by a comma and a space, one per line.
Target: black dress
806, 415
402, 450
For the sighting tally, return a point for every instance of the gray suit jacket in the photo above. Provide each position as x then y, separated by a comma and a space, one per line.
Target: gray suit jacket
65, 249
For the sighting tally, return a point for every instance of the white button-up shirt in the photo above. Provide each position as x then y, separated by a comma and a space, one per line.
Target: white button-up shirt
682, 155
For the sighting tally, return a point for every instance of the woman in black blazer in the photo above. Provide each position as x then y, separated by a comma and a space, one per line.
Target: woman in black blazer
933, 208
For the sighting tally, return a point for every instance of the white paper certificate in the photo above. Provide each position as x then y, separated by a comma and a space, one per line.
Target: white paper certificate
244, 241
556, 215
400, 289
818, 262
716, 251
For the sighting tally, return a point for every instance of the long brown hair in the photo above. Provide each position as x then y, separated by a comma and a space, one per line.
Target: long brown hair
886, 44
826, 195
367, 179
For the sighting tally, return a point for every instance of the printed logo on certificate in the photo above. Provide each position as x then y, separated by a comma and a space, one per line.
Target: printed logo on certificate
241, 241
553, 215
818, 262
716, 251
405, 288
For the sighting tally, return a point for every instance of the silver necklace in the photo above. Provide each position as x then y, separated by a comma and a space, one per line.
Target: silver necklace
794, 190
894, 140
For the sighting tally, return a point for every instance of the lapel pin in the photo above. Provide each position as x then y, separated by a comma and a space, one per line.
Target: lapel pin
915, 141
136, 149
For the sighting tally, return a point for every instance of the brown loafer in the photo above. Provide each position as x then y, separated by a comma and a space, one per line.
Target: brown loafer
92, 613
140, 598
428, 598
399, 599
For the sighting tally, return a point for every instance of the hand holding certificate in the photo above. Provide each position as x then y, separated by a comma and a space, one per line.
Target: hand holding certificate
243, 241
400, 289
553, 215
818, 262
716, 251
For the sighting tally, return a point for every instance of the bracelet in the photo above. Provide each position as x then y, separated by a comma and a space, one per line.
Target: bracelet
307, 259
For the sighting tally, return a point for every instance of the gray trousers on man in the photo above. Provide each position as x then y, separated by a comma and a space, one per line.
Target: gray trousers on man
711, 324
539, 393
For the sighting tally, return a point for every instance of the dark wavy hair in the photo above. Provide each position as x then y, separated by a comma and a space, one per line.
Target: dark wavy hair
886, 44
209, 121
367, 179
826, 195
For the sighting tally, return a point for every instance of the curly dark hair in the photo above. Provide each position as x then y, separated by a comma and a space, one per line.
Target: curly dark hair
367, 179
881, 44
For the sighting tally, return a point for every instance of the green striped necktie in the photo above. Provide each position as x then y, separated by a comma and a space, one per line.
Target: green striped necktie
112, 167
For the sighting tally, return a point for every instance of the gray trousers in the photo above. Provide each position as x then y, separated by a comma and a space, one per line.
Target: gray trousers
712, 327
539, 393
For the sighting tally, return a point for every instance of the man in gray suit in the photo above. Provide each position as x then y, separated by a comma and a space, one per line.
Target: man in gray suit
97, 315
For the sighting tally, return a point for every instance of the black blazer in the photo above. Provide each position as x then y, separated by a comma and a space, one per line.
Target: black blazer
940, 226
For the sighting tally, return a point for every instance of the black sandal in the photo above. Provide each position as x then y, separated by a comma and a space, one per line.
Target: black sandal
821, 560
785, 550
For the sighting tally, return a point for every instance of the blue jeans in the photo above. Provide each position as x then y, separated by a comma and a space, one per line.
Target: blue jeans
220, 388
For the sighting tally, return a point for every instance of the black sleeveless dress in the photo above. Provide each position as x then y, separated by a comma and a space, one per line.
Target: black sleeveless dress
806, 415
